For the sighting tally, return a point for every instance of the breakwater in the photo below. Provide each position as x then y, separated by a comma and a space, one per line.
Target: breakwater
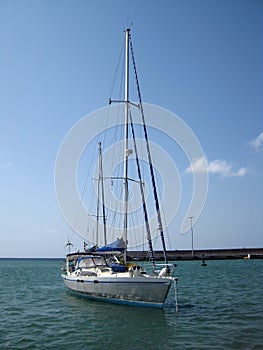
199, 254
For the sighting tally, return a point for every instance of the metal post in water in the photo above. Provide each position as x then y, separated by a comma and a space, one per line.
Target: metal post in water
176, 293
191, 218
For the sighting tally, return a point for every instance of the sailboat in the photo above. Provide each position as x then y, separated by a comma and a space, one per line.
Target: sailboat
103, 273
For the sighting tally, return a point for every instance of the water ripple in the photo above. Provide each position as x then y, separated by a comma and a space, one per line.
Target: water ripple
220, 307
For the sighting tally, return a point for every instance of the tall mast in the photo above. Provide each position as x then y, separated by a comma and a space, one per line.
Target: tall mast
100, 186
126, 151
98, 200
102, 194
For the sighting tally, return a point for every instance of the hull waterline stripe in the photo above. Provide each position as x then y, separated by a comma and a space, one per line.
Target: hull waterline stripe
119, 301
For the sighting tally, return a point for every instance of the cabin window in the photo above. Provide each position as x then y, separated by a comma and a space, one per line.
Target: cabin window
99, 261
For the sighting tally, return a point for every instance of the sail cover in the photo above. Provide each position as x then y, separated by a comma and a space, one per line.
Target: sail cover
118, 245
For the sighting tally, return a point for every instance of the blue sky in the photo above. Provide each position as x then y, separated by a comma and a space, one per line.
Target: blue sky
199, 59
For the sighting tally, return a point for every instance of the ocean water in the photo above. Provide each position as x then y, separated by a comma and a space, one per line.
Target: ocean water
220, 307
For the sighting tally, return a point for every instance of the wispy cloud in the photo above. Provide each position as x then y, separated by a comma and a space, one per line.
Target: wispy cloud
52, 230
217, 167
5, 165
257, 142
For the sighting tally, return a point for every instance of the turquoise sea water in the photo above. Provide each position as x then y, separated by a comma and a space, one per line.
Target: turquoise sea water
220, 307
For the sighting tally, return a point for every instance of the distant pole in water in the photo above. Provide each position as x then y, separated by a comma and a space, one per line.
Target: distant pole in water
203, 261
191, 218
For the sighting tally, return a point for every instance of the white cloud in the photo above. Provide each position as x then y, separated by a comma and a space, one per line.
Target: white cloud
218, 166
257, 142
5, 165
198, 166
241, 172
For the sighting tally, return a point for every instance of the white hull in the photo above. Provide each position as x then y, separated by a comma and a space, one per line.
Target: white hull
140, 291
